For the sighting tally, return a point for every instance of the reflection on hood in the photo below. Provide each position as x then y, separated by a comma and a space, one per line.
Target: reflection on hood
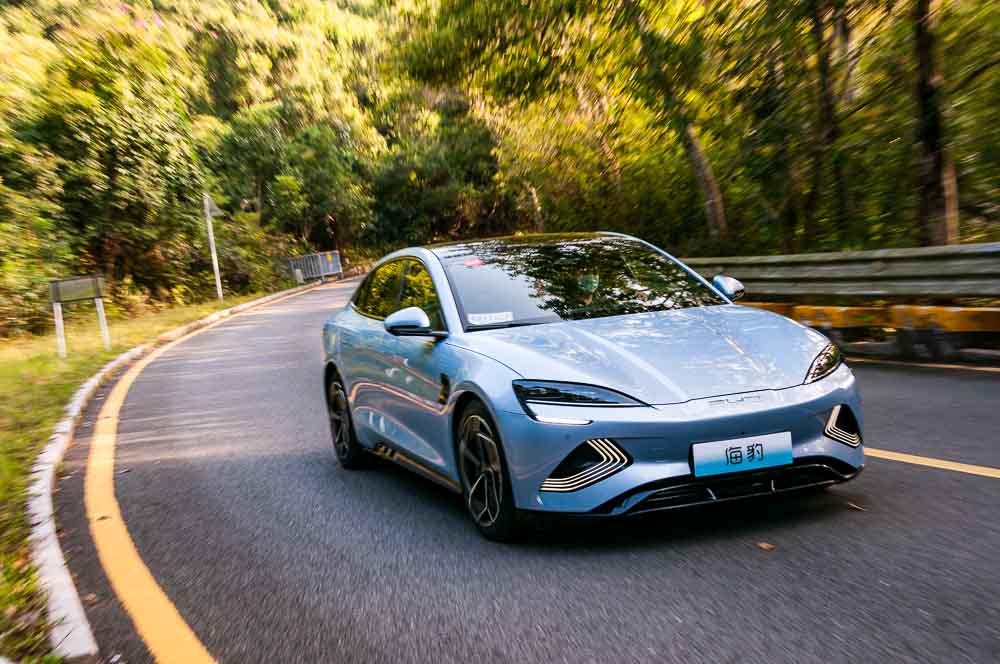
662, 357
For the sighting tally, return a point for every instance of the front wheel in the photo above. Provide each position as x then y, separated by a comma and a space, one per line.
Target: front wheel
485, 485
350, 454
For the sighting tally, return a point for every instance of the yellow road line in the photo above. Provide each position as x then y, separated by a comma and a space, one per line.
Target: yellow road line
157, 620
927, 365
931, 462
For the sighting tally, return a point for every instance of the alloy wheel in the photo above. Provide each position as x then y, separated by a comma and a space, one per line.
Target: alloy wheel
481, 470
340, 423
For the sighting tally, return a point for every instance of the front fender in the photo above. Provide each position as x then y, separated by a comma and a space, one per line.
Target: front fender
488, 381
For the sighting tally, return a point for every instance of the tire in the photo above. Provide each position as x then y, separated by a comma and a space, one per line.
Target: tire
350, 453
485, 481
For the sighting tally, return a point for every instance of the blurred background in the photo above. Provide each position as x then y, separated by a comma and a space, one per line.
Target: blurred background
710, 127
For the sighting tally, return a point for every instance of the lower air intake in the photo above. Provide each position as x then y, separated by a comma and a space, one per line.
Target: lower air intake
843, 427
591, 462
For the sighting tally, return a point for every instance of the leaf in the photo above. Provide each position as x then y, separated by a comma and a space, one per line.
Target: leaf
766, 546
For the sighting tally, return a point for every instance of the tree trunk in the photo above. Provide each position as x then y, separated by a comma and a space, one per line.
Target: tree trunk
829, 126
536, 209
937, 210
715, 213
847, 54
672, 108
951, 201
789, 215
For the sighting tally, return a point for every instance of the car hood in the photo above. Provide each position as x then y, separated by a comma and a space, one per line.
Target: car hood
662, 357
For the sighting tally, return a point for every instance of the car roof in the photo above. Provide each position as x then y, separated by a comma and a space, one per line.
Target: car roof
466, 247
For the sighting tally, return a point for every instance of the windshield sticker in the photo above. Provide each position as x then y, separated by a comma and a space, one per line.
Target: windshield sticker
491, 318
473, 262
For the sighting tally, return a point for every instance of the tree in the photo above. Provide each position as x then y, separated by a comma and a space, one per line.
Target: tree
253, 153
521, 52
938, 206
334, 178
663, 83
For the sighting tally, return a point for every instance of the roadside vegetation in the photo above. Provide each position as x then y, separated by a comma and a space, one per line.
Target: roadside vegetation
710, 128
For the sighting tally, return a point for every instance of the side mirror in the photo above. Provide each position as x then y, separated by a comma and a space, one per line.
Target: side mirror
731, 288
411, 322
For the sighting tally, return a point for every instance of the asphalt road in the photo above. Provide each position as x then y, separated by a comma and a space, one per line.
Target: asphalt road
272, 553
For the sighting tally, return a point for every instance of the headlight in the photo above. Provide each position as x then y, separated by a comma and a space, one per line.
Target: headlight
568, 394
825, 364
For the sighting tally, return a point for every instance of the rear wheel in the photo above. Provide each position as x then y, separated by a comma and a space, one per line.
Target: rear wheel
350, 454
485, 484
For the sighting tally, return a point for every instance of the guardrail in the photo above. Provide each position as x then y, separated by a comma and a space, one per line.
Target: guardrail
893, 275
315, 266
957, 271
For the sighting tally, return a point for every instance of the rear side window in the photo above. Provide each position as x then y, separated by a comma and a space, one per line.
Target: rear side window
379, 295
418, 291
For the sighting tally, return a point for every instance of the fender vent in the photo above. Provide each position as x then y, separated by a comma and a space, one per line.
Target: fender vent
591, 462
843, 427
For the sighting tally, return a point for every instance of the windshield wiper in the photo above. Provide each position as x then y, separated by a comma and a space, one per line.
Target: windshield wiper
513, 323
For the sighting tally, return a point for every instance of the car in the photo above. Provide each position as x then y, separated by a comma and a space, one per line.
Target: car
585, 374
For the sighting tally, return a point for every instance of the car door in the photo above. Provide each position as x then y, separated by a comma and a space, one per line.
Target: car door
423, 379
367, 352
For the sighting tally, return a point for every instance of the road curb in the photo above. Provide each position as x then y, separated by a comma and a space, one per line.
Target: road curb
71, 636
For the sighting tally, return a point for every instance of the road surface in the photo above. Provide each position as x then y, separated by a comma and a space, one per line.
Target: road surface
270, 552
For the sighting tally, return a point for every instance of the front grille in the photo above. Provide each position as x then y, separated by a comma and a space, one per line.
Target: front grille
687, 492
591, 462
843, 427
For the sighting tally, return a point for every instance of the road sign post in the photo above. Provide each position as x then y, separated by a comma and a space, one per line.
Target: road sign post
103, 322
77, 289
60, 330
209, 209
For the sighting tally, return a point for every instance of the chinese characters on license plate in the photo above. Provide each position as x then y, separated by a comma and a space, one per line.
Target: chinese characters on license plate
734, 454
740, 454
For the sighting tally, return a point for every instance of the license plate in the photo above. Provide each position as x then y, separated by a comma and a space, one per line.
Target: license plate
740, 454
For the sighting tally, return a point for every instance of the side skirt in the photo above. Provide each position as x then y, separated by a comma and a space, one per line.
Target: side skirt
405, 460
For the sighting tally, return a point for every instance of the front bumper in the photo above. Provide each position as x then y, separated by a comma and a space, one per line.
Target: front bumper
658, 440
804, 473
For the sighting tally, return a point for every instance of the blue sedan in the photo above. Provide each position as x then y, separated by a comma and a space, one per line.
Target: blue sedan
583, 374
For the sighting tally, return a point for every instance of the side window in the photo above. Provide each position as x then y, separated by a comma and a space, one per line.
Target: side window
361, 296
418, 291
378, 296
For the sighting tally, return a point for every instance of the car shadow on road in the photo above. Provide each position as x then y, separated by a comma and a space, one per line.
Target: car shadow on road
755, 517
437, 508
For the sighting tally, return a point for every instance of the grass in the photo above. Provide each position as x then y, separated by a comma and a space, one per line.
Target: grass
34, 388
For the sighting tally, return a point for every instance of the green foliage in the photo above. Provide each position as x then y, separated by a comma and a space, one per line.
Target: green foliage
439, 180
335, 181
804, 114
252, 153
115, 117
724, 127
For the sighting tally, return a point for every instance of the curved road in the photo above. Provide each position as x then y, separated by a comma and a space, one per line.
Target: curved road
272, 553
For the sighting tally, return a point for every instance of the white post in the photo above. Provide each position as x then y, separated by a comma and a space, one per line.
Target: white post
60, 331
211, 244
102, 319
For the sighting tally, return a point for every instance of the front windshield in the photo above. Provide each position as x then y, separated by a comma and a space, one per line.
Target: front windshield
523, 281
